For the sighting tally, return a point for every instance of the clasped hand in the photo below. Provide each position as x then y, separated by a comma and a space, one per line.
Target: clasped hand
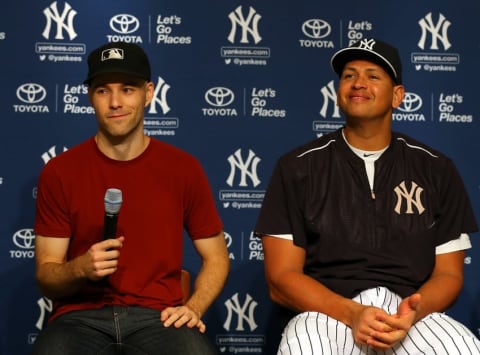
374, 327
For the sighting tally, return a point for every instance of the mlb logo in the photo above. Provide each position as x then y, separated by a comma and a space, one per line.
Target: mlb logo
112, 53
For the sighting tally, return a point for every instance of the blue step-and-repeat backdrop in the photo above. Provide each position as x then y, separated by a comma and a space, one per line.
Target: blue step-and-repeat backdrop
237, 84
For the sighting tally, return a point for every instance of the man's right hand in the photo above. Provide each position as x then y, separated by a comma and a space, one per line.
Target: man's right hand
366, 323
101, 259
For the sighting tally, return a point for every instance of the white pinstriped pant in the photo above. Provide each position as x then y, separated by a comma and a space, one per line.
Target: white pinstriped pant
315, 333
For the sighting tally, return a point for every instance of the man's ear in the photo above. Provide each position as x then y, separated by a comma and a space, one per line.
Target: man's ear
149, 93
398, 94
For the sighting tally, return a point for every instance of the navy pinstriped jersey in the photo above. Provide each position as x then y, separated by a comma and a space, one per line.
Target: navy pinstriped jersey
354, 239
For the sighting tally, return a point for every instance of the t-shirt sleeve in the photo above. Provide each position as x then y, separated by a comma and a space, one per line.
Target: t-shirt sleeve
201, 215
51, 217
461, 243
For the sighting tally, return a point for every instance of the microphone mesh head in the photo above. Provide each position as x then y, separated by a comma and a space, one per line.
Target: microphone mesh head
113, 200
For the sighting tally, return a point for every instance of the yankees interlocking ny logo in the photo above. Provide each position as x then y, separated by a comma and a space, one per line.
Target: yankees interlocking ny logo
367, 44
248, 25
247, 168
411, 198
438, 32
245, 313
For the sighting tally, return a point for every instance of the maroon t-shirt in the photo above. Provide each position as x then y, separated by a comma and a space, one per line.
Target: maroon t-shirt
165, 192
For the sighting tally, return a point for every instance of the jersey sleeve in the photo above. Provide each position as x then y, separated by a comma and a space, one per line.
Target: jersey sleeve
457, 215
280, 213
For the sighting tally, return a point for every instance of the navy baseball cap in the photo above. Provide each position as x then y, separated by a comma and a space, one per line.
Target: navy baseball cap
118, 57
373, 50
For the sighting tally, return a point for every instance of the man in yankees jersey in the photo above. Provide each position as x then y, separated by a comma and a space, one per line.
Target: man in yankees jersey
364, 230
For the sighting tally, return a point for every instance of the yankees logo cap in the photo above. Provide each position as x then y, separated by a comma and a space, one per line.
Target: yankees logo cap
373, 50
118, 57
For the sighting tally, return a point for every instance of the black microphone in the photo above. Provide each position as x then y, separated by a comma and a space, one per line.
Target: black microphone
113, 202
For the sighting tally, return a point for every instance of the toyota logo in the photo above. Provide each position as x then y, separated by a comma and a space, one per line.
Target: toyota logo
411, 102
24, 238
124, 23
219, 96
31, 93
316, 28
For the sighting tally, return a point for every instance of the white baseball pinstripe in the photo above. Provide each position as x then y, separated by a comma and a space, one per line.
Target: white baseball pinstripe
437, 334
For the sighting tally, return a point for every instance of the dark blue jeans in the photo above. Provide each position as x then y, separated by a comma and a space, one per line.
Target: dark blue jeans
119, 330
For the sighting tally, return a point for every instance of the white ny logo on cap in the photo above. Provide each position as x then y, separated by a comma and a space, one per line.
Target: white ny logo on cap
367, 44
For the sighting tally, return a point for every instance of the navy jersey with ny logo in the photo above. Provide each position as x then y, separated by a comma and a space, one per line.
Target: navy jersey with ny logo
356, 238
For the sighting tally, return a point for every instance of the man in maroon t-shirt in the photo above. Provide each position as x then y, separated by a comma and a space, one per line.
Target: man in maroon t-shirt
122, 292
